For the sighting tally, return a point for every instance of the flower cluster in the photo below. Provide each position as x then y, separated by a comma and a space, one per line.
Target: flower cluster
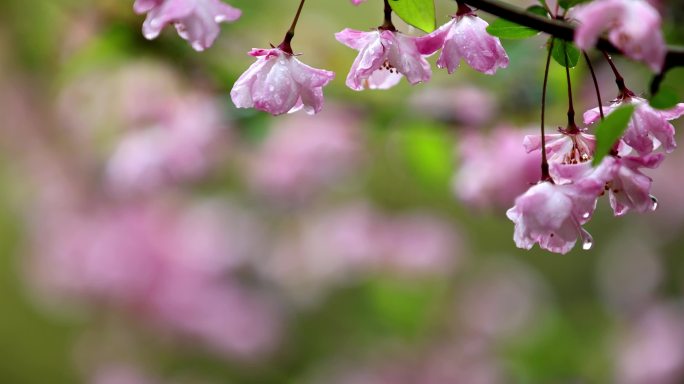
553, 211
385, 55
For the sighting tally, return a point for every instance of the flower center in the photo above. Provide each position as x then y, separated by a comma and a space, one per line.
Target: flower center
386, 65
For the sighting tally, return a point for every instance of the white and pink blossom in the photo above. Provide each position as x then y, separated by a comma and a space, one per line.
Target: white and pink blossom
633, 26
629, 189
384, 57
279, 83
195, 20
465, 37
552, 215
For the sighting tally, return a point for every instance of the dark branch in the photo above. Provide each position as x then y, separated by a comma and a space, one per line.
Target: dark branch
561, 29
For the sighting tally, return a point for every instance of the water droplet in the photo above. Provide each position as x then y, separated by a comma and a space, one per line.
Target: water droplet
587, 241
586, 215
654, 203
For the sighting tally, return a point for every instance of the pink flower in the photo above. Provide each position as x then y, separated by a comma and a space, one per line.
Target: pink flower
357, 2
552, 215
564, 148
633, 26
465, 37
196, 20
629, 189
384, 56
648, 129
278, 83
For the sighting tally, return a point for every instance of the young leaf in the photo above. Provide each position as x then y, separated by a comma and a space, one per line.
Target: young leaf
419, 13
509, 30
666, 98
543, 4
567, 4
559, 51
609, 131
538, 10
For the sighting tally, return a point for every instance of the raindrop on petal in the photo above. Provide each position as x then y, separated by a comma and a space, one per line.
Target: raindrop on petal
654, 203
587, 240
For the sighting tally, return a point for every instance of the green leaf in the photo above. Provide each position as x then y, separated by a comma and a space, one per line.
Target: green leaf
609, 130
509, 30
558, 53
567, 4
419, 13
538, 10
666, 98
543, 4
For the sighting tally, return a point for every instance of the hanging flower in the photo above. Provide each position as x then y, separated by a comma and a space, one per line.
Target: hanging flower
196, 20
465, 37
633, 26
648, 129
384, 57
278, 83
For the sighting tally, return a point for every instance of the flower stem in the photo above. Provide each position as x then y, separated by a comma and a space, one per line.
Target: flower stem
596, 86
572, 127
285, 45
387, 23
545, 176
623, 91
463, 9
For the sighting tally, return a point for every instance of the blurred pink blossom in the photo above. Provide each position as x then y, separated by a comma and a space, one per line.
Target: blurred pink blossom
195, 20
301, 155
166, 265
466, 105
340, 245
467, 361
652, 349
279, 83
177, 147
481, 181
501, 299
138, 93
633, 26
630, 270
